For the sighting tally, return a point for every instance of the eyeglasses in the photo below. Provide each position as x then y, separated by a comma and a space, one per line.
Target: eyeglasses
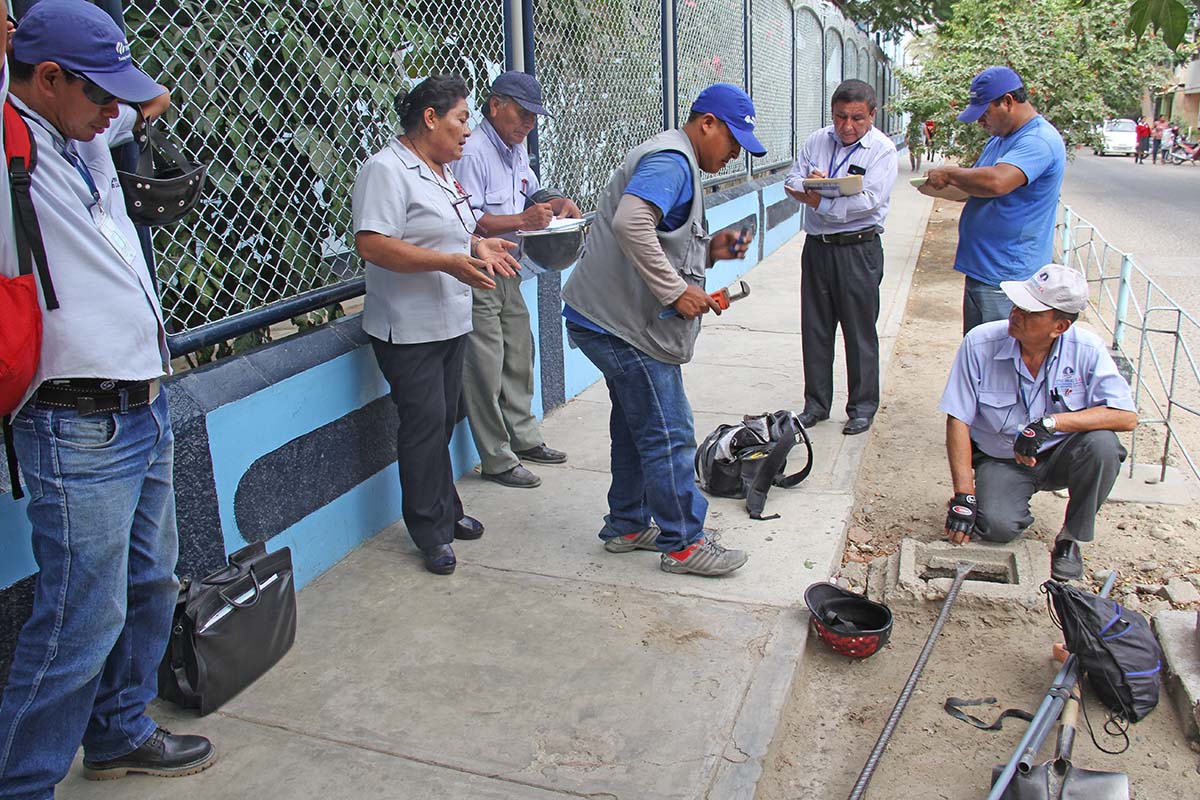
462, 198
91, 90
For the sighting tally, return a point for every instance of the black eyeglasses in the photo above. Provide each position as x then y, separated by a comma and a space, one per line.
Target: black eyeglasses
91, 90
462, 198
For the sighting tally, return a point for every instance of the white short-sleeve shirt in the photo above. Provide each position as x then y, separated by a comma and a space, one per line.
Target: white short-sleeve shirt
398, 195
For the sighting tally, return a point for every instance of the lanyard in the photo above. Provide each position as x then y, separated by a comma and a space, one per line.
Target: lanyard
834, 170
84, 173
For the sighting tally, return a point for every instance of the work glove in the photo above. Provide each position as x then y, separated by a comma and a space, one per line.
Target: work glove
1031, 439
961, 516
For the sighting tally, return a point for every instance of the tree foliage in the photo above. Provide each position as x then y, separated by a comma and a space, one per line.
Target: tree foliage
1080, 64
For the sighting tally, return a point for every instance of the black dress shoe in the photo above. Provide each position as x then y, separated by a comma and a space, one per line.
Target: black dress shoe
164, 754
468, 528
808, 418
440, 559
542, 455
1067, 562
857, 425
518, 477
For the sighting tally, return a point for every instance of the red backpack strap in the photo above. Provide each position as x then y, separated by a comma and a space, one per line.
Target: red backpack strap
20, 151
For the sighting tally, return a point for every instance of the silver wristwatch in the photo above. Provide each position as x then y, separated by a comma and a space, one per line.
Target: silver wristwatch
1049, 424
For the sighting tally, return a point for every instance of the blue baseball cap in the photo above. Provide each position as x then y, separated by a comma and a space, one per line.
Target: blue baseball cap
987, 87
734, 107
523, 88
81, 38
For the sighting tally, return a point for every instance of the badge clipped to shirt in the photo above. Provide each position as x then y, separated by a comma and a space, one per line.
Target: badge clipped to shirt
112, 234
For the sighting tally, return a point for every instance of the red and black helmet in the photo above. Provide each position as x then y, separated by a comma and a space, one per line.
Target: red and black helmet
849, 623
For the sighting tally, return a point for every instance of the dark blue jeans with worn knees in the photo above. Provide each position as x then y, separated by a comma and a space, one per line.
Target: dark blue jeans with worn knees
982, 303
653, 443
102, 508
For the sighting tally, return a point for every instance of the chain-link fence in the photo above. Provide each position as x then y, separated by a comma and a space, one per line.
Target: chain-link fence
810, 94
710, 47
606, 96
771, 61
285, 99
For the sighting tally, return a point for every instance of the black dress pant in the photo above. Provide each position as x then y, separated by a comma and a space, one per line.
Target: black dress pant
839, 285
426, 385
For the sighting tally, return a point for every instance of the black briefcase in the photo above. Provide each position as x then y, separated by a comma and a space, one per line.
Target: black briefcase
229, 628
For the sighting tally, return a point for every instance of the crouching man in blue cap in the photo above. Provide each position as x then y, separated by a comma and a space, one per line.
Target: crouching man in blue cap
648, 251
93, 432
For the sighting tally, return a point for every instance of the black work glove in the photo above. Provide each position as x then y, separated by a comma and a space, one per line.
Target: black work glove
961, 516
1031, 439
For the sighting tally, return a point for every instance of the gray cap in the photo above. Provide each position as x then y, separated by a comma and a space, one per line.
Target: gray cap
1052, 286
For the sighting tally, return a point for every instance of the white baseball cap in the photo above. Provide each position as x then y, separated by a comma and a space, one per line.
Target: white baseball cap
1052, 286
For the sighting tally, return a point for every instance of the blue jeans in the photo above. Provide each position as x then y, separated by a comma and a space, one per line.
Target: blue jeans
653, 443
982, 303
104, 537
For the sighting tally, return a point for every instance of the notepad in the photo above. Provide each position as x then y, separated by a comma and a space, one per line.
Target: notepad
556, 226
947, 193
835, 187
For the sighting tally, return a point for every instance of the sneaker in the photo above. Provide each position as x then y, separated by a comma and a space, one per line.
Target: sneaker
164, 754
704, 557
642, 540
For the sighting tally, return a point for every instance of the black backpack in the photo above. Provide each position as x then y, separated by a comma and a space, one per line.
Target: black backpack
1115, 646
747, 459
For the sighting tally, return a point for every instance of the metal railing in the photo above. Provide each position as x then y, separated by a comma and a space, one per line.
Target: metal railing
285, 99
1152, 335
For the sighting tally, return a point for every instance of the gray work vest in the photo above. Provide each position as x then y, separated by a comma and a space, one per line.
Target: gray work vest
606, 287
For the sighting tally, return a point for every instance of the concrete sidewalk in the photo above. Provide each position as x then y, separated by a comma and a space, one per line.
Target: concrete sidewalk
546, 667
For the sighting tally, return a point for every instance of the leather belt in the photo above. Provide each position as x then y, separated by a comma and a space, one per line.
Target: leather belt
851, 237
96, 395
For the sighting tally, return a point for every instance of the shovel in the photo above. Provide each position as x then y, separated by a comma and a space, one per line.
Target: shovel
1059, 779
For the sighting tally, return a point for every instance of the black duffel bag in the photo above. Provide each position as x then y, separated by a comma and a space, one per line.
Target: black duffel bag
229, 628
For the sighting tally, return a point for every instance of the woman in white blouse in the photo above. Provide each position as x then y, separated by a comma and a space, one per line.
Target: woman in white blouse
413, 227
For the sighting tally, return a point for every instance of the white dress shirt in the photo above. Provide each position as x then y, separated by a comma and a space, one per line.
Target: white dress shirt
109, 322
874, 154
398, 195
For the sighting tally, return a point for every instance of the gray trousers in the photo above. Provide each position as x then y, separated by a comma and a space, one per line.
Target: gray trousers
1085, 464
839, 285
498, 376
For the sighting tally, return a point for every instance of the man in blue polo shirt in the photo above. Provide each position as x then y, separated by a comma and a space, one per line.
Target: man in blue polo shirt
1032, 405
1006, 232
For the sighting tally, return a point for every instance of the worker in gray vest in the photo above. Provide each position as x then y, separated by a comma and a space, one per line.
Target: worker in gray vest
647, 252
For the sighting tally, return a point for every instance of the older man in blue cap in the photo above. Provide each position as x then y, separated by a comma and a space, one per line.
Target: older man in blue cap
648, 251
93, 432
1006, 231
498, 372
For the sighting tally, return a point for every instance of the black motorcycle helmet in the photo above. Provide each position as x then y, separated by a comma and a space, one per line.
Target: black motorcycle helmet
553, 251
849, 623
165, 185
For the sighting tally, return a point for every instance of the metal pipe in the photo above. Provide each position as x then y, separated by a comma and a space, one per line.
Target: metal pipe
881, 743
1049, 710
1122, 299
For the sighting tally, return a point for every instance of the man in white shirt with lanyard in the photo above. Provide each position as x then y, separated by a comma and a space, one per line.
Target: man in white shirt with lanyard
842, 262
93, 434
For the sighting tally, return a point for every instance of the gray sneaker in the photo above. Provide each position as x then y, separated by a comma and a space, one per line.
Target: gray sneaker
643, 540
704, 557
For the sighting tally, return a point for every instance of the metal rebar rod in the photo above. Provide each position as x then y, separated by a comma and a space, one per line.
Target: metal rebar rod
881, 743
1051, 705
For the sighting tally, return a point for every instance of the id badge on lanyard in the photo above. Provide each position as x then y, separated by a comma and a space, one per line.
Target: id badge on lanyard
104, 222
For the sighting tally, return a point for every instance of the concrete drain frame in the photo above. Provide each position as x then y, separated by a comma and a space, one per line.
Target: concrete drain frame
1004, 574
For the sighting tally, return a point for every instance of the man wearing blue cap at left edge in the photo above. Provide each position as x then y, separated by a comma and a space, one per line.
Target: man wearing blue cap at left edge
647, 253
93, 432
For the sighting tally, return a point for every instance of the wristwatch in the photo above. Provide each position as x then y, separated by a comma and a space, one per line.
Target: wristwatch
1049, 424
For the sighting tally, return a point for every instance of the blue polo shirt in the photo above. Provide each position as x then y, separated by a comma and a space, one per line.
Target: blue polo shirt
991, 390
1008, 238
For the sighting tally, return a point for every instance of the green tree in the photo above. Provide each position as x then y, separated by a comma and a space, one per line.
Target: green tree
1080, 64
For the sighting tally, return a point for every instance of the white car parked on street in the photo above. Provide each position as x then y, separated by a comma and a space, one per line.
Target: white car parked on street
1119, 137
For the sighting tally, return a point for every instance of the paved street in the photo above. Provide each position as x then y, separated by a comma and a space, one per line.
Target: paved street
1150, 210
